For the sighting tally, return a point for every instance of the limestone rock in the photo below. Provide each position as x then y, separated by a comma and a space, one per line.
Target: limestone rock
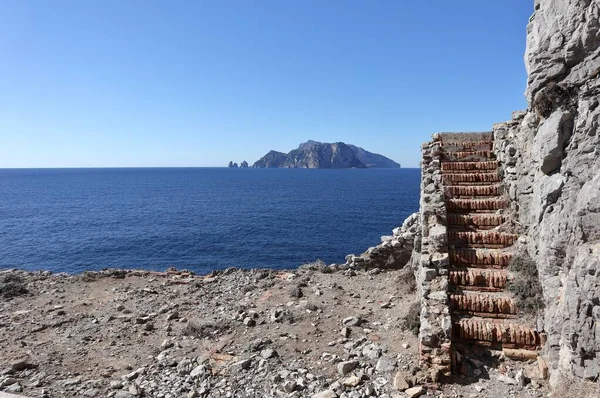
414, 392
550, 140
325, 394
551, 162
346, 367
400, 382
351, 381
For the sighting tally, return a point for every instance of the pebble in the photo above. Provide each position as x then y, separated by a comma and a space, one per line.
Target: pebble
351, 381
414, 392
352, 321
290, 386
346, 367
268, 353
14, 388
325, 394
507, 380
400, 382
345, 332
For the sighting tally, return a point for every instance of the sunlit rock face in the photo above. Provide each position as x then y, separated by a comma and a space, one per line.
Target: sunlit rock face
550, 156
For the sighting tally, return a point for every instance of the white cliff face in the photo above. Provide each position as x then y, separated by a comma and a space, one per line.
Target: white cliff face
563, 39
551, 159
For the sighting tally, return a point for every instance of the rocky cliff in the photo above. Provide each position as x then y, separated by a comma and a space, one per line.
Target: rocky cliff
319, 155
550, 155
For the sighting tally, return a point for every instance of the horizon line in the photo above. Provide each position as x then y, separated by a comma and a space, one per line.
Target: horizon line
193, 167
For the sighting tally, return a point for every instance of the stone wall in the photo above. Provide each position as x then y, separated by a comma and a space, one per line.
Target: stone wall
430, 263
550, 156
394, 251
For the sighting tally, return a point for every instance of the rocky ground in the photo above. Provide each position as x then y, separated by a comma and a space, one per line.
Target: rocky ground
309, 332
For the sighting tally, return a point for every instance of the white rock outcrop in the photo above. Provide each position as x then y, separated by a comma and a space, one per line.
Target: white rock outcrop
551, 160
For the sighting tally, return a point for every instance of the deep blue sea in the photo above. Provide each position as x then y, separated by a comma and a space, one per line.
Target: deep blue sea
196, 218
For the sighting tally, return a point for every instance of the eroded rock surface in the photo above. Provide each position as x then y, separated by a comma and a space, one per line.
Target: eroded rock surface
550, 156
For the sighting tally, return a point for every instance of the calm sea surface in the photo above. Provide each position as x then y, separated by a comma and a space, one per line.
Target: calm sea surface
196, 218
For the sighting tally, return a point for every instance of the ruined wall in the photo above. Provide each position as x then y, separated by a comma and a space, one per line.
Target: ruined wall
550, 156
430, 262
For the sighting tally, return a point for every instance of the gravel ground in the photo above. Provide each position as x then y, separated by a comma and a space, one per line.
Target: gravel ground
236, 333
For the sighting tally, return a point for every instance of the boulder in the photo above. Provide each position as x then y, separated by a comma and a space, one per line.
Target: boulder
550, 140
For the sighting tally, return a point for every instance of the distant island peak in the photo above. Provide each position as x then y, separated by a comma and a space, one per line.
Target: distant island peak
322, 155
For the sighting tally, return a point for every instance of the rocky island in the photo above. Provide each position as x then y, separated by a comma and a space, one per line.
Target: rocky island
322, 155
234, 165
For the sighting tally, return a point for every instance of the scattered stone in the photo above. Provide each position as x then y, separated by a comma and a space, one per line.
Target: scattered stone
296, 292
134, 390
325, 394
243, 364
346, 367
507, 380
71, 382
21, 364
289, 386
385, 364
91, 393
400, 382
198, 370
173, 315
533, 372
14, 388
268, 353
149, 327
351, 381
7, 382
372, 351
352, 321
414, 392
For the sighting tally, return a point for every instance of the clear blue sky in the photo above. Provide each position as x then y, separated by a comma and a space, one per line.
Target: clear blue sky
198, 83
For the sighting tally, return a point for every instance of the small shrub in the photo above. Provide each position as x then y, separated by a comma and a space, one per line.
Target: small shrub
247, 288
525, 285
406, 280
114, 273
89, 276
412, 321
12, 285
317, 265
296, 292
554, 96
204, 330
12, 278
